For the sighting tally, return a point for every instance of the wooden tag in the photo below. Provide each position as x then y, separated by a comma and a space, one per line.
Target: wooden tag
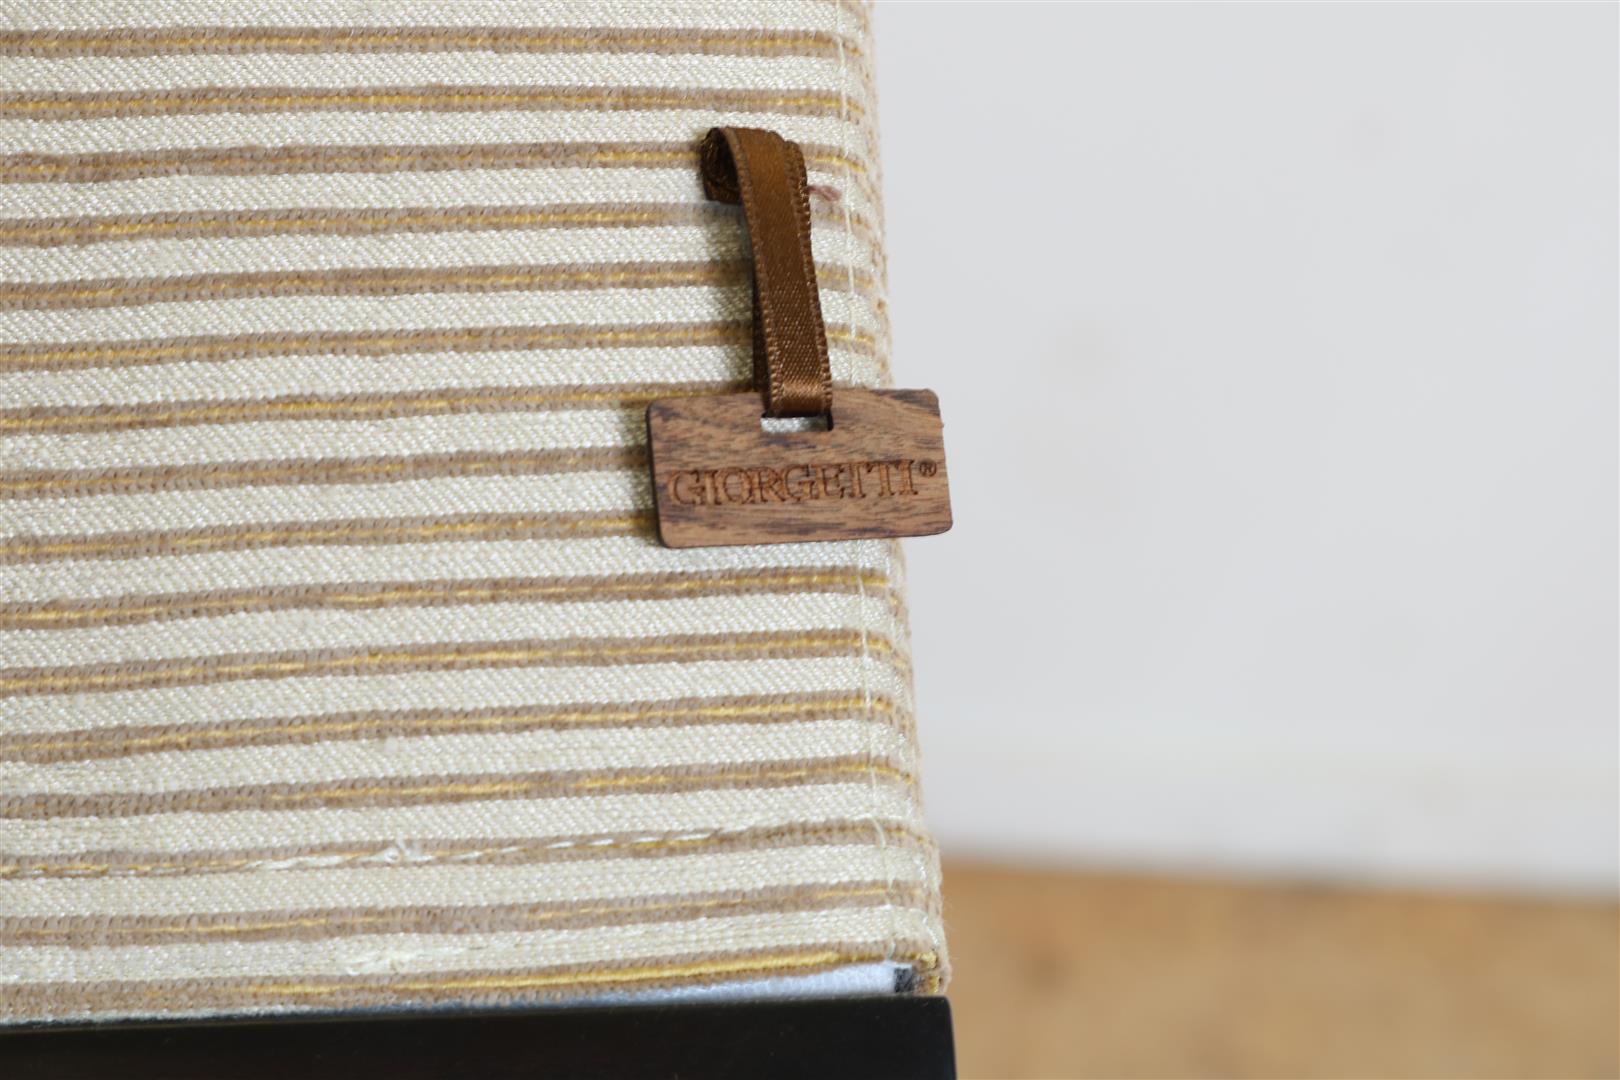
719, 478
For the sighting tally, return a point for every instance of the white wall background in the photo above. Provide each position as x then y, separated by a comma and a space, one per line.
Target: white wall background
1277, 350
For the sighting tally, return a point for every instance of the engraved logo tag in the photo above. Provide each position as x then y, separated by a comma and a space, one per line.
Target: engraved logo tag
719, 477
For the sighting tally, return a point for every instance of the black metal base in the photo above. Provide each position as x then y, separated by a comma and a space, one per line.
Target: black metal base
884, 1038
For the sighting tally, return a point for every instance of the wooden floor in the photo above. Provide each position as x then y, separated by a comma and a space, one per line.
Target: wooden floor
1060, 975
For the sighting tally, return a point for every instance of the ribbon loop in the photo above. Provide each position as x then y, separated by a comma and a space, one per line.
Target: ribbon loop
766, 174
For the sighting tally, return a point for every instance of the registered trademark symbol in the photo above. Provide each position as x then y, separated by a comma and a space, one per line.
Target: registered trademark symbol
927, 468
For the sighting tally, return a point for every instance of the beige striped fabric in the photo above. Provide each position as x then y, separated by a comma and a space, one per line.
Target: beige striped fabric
339, 664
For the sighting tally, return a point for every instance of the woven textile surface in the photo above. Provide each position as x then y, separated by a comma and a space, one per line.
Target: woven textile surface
339, 663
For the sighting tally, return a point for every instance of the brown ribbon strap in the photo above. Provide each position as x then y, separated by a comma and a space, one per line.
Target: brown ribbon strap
765, 173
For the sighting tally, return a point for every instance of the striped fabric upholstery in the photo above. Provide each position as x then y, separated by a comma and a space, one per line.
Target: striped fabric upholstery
339, 665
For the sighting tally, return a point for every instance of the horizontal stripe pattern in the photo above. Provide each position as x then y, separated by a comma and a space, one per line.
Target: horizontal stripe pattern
389, 837
459, 851
327, 40
479, 339
144, 674
376, 884
89, 15
86, 419
315, 924
415, 790
381, 221
339, 663
66, 106
410, 313
349, 123
305, 70
130, 609
345, 532
51, 232
498, 620
256, 160
68, 483
390, 281
442, 560
407, 723
580, 749
533, 984
588, 248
